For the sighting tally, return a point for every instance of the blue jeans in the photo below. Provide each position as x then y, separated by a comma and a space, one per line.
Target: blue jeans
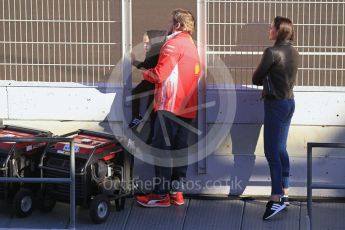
278, 114
171, 178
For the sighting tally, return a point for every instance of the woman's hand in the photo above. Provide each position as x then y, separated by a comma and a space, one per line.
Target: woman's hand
133, 58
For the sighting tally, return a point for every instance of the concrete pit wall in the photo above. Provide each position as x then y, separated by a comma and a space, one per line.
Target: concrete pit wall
319, 117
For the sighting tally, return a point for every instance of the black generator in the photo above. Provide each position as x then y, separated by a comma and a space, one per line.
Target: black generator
103, 172
19, 160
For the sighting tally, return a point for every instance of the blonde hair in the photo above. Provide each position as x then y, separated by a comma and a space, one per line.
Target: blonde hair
185, 18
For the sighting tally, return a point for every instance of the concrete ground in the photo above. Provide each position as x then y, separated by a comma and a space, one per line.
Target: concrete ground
196, 214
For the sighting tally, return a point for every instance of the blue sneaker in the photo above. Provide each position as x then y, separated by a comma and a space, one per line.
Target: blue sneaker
135, 122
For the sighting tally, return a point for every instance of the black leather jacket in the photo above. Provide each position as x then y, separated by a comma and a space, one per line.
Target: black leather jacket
281, 63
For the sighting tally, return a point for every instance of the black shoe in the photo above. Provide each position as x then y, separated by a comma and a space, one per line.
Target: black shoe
272, 208
135, 122
149, 141
285, 199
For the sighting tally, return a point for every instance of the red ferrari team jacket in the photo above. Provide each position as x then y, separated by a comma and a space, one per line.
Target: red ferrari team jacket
176, 76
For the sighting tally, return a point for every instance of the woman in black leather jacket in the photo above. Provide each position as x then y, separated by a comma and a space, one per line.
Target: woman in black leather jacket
277, 73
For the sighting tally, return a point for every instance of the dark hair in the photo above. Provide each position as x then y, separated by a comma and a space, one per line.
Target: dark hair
156, 36
284, 27
185, 18
157, 39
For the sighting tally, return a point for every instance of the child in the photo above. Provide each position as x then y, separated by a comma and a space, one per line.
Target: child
153, 41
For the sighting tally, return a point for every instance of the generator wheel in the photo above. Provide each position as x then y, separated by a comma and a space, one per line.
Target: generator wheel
45, 202
100, 209
23, 203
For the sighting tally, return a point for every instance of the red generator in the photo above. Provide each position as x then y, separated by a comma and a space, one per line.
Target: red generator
20, 160
103, 172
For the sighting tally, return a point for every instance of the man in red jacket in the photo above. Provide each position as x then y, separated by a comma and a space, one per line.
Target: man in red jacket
176, 79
